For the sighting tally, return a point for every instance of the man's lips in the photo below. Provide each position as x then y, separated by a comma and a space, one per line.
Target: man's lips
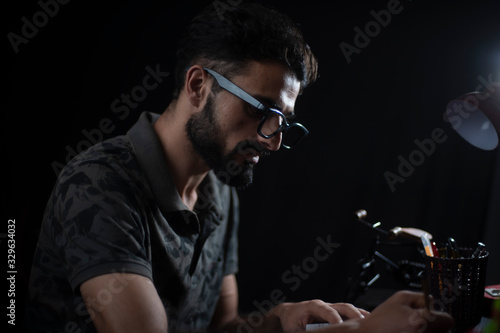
251, 152
252, 155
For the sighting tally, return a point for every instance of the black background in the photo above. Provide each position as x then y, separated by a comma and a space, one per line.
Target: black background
362, 116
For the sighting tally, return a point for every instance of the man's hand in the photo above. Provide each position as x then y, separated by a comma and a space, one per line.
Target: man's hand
405, 311
295, 316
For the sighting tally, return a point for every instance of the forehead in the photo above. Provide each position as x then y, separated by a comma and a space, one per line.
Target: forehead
271, 83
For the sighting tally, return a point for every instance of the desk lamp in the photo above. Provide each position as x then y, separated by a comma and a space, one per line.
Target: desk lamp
476, 117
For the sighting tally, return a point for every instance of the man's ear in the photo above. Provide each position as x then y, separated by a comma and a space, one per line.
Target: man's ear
197, 85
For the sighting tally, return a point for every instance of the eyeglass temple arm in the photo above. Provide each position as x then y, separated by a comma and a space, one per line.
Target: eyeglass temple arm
235, 90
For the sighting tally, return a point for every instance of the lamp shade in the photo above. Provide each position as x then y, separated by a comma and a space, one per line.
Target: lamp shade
476, 117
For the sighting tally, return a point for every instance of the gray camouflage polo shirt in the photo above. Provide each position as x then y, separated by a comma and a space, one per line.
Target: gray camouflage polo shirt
115, 209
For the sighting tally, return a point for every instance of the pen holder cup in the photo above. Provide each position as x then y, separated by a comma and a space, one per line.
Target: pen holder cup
457, 286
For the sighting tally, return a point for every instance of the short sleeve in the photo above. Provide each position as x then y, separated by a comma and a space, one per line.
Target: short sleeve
99, 229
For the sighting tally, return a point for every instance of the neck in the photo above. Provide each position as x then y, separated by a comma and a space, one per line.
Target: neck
187, 168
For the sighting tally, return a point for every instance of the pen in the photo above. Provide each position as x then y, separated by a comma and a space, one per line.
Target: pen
434, 249
427, 245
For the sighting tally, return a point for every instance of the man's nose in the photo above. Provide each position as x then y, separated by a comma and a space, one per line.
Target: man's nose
272, 144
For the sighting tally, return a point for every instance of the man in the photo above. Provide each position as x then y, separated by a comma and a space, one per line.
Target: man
139, 234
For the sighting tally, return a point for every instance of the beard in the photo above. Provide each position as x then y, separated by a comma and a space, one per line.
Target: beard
207, 139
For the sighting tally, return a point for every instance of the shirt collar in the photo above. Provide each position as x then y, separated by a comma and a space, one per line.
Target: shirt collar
149, 152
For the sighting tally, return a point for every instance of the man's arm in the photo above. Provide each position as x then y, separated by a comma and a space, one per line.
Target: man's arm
115, 306
226, 315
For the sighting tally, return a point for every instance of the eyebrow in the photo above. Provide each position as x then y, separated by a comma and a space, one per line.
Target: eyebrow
273, 104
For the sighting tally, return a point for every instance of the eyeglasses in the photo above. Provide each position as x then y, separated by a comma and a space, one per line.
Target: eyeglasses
273, 121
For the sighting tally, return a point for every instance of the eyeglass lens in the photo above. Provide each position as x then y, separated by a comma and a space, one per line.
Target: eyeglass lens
293, 135
272, 124
275, 123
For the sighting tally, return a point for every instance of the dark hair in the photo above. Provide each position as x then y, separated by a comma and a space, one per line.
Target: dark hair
227, 37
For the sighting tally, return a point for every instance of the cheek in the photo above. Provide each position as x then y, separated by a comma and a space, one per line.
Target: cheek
239, 130
235, 133
234, 122
242, 126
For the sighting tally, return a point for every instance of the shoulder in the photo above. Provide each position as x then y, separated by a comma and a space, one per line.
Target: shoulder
111, 156
109, 167
113, 152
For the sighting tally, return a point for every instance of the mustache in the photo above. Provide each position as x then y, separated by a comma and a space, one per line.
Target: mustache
249, 146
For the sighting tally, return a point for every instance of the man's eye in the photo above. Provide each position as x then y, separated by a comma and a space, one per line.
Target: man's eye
254, 112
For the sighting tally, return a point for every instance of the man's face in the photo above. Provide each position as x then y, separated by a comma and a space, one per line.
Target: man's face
225, 134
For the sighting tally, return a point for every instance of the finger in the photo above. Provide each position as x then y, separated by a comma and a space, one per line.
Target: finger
418, 300
364, 312
348, 310
425, 321
437, 321
415, 300
322, 311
